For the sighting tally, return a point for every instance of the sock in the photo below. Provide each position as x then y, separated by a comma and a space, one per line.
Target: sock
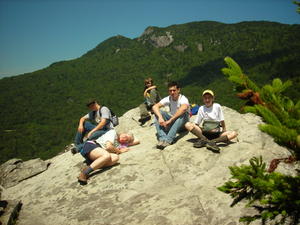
88, 170
199, 134
221, 139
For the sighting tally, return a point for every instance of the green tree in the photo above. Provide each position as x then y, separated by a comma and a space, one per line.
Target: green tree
273, 195
281, 114
298, 4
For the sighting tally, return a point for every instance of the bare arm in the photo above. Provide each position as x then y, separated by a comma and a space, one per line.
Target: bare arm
111, 148
148, 89
135, 142
182, 109
156, 110
80, 126
98, 127
223, 125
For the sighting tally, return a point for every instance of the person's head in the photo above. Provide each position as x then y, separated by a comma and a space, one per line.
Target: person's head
126, 138
208, 97
148, 82
174, 90
92, 104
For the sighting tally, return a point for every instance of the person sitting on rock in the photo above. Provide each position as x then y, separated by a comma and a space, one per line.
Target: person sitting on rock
152, 97
100, 115
213, 129
104, 151
169, 123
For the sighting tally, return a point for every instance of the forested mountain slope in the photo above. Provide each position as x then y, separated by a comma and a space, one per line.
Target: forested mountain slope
40, 110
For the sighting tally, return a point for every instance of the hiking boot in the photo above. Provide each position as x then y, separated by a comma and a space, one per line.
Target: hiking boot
213, 146
200, 143
82, 178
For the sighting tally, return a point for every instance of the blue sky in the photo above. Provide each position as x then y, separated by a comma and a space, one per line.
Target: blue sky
36, 33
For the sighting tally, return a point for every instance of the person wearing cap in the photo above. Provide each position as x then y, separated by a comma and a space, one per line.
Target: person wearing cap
169, 123
99, 125
213, 129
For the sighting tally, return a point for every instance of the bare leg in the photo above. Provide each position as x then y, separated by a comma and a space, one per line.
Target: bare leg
114, 158
230, 134
101, 158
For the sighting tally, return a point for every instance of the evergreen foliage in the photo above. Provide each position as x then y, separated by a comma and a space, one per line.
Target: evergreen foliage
40, 110
298, 4
278, 111
275, 196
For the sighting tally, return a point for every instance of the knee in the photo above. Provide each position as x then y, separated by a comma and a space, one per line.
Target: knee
106, 156
189, 126
234, 134
115, 158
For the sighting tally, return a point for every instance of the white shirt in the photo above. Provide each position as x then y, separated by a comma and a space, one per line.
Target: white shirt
110, 136
214, 113
174, 105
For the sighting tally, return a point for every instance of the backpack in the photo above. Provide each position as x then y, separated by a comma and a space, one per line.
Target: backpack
211, 126
114, 119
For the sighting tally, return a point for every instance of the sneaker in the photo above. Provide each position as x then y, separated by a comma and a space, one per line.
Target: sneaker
74, 150
144, 120
159, 144
82, 178
200, 143
164, 145
213, 146
71, 148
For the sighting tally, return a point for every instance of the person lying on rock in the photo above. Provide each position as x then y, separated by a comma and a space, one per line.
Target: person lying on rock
213, 129
151, 96
100, 117
169, 123
104, 151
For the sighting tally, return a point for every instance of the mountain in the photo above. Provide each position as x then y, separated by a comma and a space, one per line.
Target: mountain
175, 186
40, 110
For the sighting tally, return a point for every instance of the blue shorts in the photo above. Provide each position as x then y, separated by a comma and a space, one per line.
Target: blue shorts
87, 148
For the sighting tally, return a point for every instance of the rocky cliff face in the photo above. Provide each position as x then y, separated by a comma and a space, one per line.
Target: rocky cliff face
175, 186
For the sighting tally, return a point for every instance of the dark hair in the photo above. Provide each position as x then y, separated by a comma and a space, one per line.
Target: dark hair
148, 80
172, 84
90, 102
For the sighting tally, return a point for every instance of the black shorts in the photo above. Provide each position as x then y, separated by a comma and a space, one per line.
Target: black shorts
212, 135
87, 148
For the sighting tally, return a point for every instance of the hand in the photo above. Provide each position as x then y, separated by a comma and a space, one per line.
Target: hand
162, 122
89, 134
124, 150
80, 129
168, 122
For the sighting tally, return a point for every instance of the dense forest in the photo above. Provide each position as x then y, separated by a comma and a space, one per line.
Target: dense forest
40, 110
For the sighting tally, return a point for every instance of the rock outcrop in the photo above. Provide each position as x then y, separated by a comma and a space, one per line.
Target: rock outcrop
200, 47
180, 48
175, 186
15, 170
161, 41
